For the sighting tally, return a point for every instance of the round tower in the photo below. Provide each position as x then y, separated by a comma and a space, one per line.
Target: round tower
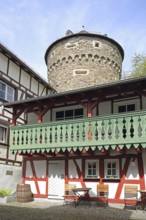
83, 59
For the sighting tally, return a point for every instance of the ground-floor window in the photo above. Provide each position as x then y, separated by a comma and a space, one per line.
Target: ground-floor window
111, 168
92, 169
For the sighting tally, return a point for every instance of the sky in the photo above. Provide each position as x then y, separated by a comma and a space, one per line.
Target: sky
28, 27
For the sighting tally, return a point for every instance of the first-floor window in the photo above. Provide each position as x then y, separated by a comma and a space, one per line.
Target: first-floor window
6, 92
69, 114
92, 169
126, 105
111, 169
3, 131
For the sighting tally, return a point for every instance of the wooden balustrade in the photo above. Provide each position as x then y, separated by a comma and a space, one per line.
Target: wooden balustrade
120, 129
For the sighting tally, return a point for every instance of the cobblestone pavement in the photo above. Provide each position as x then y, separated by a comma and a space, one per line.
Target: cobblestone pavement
46, 210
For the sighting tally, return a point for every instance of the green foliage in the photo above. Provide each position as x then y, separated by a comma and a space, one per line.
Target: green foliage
5, 192
138, 65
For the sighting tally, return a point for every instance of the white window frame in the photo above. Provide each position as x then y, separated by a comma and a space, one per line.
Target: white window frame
119, 103
65, 109
87, 175
107, 176
4, 135
8, 94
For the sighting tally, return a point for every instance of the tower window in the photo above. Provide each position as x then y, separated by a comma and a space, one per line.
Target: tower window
96, 44
81, 72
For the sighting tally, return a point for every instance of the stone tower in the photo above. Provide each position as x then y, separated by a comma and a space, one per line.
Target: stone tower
83, 59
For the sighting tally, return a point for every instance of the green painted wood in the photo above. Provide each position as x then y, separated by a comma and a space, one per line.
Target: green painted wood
108, 131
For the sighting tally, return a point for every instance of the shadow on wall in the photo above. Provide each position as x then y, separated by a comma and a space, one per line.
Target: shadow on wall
10, 177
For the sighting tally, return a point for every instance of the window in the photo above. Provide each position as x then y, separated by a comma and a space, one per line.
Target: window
69, 114
111, 169
3, 131
126, 106
92, 170
96, 44
80, 72
6, 92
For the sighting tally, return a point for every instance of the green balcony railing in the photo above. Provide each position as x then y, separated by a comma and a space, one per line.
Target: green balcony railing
120, 129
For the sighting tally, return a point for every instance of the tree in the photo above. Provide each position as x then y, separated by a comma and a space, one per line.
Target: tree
138, 63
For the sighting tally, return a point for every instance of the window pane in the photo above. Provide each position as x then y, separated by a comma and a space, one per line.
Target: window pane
60, 115
2, 90
2, 134
69, 114
109, 165
131, 107
108, 172
94, 165
113, 165
78, 113
10, 93
121, 109
94, 172
89, 172
114, 172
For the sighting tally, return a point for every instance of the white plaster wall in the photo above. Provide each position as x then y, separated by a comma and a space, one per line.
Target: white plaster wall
132, 172
105, 108
42, 91
46, 117
28, 170
93, 186
42, 187
32, 186
32, 118
3, 63
34, 85
72, 168
10, 181
40, 168
3, 151
25, 77
14, 71
144, 163
143, 102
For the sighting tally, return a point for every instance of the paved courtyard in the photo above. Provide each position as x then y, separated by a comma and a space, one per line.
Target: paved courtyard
46, 210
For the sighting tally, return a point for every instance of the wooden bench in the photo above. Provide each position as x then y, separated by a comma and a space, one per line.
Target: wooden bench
69, 196
130, 196
102, 194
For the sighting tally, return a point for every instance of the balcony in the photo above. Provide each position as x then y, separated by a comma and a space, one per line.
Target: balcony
108, 131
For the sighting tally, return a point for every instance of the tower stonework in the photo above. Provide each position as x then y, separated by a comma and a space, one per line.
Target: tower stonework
82, 60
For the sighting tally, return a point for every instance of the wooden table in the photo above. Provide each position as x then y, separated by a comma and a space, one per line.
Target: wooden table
83, 195
143, 199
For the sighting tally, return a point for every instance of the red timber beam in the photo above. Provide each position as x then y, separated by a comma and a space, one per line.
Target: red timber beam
123, 175
34, 176
66, 172
90, 106
141, 171
41, 113
80, 173
16, 114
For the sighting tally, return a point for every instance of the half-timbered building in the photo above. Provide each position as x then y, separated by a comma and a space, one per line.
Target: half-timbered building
17, 82
93, 131
91, 136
